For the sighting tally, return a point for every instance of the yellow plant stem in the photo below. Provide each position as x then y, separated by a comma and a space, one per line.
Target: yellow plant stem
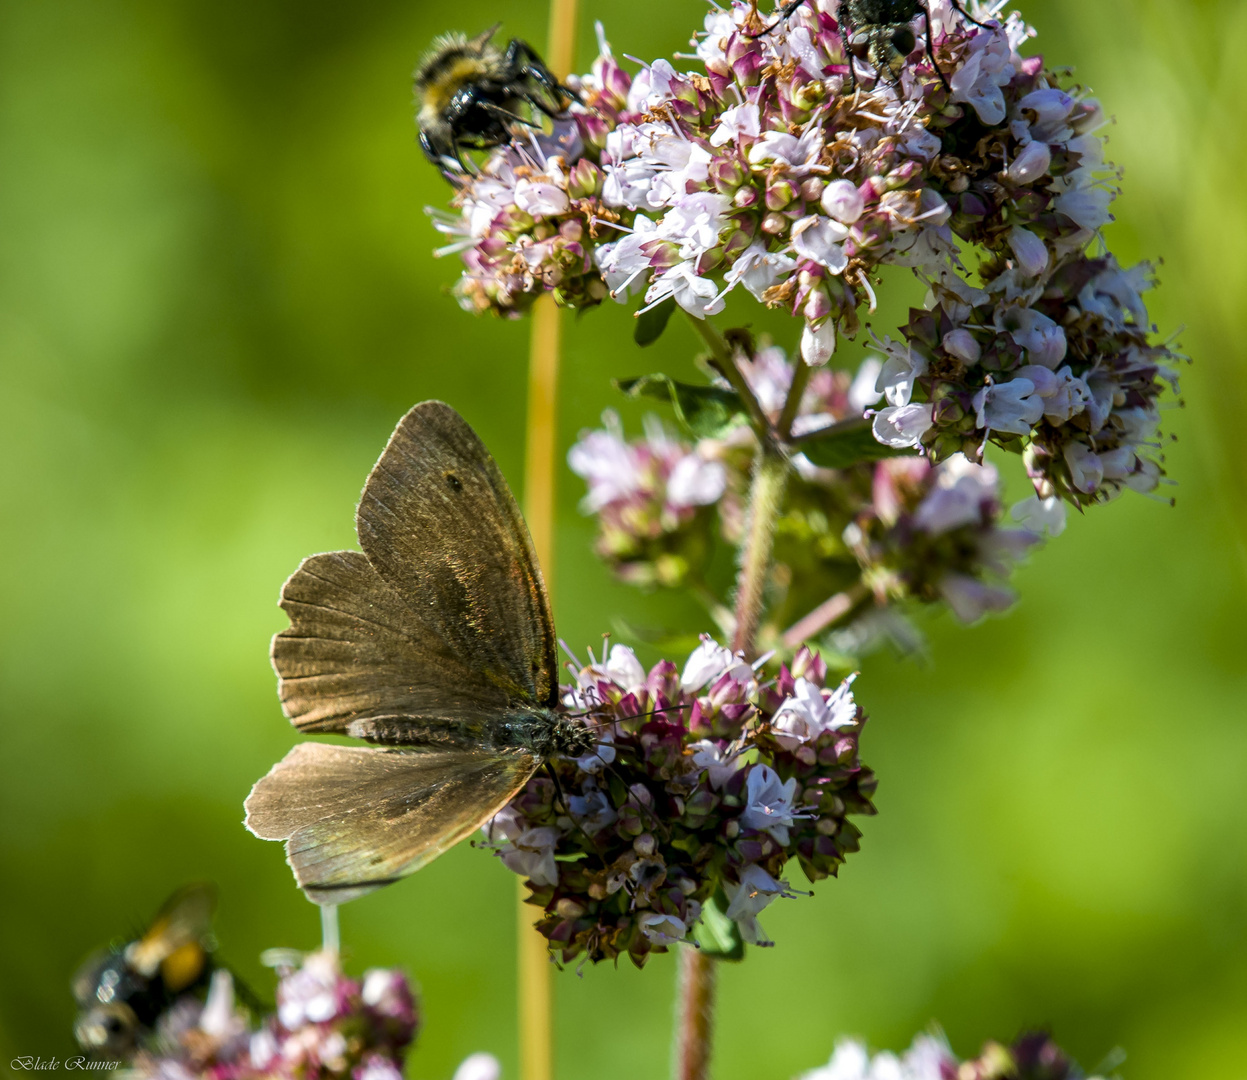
532, 959
534, 989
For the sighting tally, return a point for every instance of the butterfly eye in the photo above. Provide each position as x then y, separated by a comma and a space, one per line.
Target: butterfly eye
903, 40
453, 482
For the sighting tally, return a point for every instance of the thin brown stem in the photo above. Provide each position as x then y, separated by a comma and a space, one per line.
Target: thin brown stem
800, 377
826, 614
695, 1015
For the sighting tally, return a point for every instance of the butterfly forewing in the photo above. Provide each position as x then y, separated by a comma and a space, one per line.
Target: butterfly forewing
441, 527
357, 818
355, 649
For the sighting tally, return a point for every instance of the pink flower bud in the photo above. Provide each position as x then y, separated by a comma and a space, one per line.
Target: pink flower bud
842, 201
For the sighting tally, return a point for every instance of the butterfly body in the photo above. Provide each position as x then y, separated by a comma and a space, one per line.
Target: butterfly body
541, 732
436, 645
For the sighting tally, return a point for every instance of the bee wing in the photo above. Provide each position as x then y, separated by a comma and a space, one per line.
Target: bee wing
444, 615
357, 818
182, 923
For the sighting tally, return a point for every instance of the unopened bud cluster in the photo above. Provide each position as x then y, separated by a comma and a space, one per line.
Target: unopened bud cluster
703, 786
326, 1027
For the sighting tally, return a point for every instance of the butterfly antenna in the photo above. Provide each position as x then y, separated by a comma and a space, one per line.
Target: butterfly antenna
567, 808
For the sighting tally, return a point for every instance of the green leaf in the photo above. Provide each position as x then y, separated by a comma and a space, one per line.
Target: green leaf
650, 324
706, 412
718, 935
849, 442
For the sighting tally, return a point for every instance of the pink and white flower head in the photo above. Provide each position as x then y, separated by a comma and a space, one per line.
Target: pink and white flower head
701, 795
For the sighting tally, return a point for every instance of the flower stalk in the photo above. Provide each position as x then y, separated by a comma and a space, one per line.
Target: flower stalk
695, 995
766, 496
533, 982
695, 1019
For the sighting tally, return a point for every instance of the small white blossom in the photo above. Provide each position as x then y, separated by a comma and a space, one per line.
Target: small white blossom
720, 765
1041, 515
1032, 254
903, 425
818, 343
1032, 161
961, 344
756, 890
807, 713
531, 855
843, 201
1086, 469
971, 598
818, 239
768, 802
740, 120
479, 1066
662, 929
709, 662
698, 296
1011, 407
758, 269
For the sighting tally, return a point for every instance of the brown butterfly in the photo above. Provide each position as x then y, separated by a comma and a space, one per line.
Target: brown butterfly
437, 643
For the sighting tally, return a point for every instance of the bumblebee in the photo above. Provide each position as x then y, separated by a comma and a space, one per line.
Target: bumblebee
881, 32
122, 992
471, 94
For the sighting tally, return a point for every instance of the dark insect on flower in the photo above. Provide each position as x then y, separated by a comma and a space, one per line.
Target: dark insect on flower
123, 992
471, 94
881, 32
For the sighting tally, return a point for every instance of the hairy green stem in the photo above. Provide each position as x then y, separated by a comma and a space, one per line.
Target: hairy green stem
766, 495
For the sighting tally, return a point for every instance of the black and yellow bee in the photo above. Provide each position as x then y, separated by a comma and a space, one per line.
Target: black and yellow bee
122, 992
881, 32
471, 94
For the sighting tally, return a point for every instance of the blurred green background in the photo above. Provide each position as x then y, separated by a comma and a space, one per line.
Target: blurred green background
217, 297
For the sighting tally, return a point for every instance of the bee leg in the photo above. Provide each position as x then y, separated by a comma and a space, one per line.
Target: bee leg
784, 12
541, 106
846, 31
524, 62
558, 790
506, 114
956, 5
926, 19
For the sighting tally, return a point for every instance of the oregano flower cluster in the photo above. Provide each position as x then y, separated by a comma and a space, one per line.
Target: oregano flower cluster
1031, 1056
704, 784
773, 171
863, 539
326, 1026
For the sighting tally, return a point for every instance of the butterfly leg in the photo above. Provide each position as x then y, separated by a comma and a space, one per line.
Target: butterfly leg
926, 19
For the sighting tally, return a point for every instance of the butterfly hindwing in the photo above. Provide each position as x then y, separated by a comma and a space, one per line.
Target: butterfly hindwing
357, 818
441, 527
